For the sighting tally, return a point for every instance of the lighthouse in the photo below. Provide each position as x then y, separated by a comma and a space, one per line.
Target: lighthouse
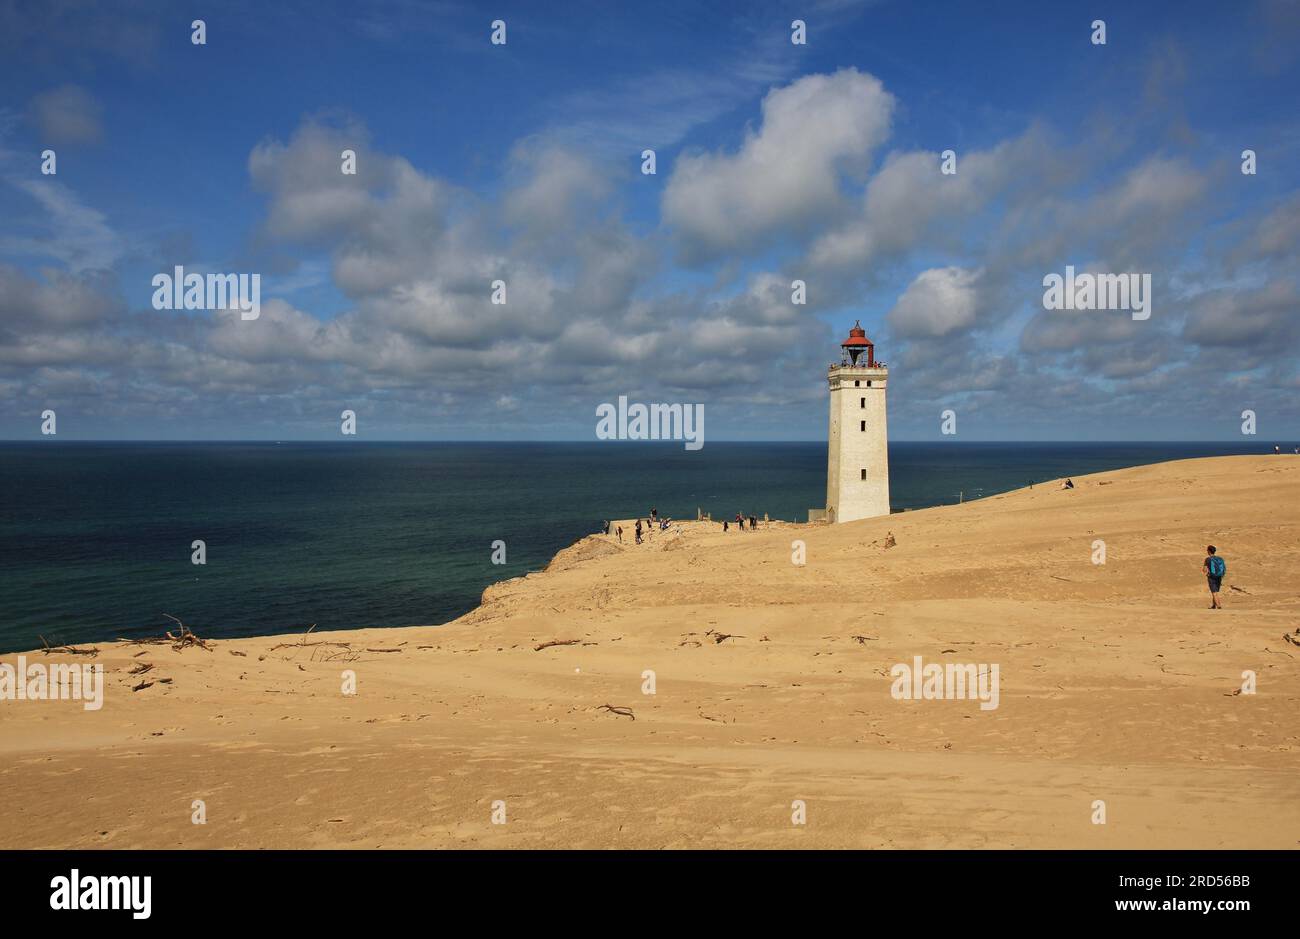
857, 458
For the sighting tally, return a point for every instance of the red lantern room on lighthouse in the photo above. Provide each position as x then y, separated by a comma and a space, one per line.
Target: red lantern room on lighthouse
857, 344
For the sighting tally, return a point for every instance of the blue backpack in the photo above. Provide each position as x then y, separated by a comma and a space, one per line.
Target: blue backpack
1217, 567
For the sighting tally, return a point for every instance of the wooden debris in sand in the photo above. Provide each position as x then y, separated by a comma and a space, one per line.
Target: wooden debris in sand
620, 711
556, 642
309, 645
345, 654
47, 649
302, 642
342, 650
719, 638
183, 638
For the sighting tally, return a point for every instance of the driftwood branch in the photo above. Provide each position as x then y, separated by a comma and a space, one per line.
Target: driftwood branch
556, 642
309, 645
620, 711
718, 638
47, 649
302, 642
346, 655
183, 638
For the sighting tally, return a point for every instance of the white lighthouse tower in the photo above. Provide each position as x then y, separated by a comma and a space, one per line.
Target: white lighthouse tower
857, 460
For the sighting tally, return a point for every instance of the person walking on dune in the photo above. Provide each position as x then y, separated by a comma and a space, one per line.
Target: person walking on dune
1214, 568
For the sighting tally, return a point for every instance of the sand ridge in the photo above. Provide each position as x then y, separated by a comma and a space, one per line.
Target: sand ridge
772, 685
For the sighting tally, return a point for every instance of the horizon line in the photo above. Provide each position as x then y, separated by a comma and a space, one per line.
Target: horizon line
267, 440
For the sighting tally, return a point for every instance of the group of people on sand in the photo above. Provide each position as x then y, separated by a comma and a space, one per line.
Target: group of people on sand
643, 527
1213, 567
740, 521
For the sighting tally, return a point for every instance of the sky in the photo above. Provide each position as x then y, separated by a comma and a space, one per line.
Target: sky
522, 162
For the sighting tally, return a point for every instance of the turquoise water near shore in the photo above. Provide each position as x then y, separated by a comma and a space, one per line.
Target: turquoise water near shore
95, 538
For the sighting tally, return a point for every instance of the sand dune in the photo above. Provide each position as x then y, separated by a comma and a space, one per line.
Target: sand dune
772, 685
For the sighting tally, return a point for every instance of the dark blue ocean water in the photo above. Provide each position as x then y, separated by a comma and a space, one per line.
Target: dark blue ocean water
95, 537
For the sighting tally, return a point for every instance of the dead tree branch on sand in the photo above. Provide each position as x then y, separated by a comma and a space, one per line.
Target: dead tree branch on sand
341, 650
719, 638
302, 643
620, 711
70, 650
556, 642
183, 638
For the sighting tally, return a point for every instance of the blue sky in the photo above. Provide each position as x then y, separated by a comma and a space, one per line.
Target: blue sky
522, 162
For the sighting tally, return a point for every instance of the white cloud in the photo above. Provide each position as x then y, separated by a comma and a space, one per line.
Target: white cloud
1267, 319
908, 203
72, 232
596, 308
938, 301
787, 175
58, 301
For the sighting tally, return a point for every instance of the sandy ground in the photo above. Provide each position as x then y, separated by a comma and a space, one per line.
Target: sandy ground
1116, 684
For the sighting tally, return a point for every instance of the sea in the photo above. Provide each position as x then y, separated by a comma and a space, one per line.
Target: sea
97, 539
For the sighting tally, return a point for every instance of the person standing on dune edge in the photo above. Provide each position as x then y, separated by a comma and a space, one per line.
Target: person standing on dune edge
1214, 568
